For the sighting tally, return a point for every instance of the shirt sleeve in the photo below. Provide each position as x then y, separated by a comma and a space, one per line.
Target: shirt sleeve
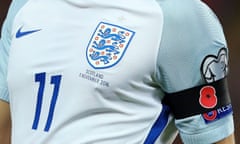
3, 67
5, 43
4, 46
193, 52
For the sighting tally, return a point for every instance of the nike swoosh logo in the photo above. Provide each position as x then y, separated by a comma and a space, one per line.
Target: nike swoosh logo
21, 33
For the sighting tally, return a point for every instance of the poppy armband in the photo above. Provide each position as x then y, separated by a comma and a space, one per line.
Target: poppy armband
202, 99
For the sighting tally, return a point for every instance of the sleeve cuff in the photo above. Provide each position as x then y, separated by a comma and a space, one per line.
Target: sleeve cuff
223, 129
4, 94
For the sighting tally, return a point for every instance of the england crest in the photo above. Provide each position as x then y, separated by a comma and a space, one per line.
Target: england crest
108, 44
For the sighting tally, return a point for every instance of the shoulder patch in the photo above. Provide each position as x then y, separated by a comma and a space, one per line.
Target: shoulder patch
215, 67
217, 114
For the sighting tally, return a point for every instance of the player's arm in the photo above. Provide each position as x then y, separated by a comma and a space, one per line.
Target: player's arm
5, 118
228, 140
5, 123
193, 67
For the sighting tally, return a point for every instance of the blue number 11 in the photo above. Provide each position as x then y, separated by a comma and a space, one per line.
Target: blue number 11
55, 80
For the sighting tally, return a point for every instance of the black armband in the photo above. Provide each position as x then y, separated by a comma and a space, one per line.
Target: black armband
198, 100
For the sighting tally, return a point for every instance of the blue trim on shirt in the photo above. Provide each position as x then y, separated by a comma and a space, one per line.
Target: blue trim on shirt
158, 126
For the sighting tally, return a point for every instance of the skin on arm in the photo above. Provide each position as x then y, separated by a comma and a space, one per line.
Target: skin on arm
228, 140
5, 123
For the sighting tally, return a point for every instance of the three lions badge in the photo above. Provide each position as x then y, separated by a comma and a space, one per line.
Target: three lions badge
108, 44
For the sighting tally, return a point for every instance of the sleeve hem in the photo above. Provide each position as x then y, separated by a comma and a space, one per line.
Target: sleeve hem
211, 136
4, 94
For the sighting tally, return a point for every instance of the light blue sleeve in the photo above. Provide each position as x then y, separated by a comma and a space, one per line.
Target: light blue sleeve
191, 33
5, 43
3, 68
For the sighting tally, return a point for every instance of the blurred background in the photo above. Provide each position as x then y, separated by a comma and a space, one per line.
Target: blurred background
228, 11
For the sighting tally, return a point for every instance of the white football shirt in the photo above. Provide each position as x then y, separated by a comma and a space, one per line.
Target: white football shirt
95, 72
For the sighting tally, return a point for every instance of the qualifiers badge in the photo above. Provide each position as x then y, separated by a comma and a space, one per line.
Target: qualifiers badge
217, 114
210, 116
108, 44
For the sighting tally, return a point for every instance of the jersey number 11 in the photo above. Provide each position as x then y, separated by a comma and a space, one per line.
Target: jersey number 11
55, 81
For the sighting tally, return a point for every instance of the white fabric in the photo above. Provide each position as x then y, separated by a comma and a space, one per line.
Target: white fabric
65, 87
